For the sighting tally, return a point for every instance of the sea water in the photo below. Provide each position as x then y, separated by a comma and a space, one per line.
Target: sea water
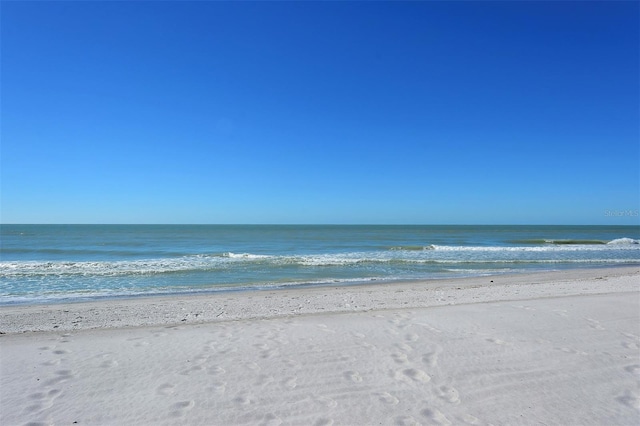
49, 263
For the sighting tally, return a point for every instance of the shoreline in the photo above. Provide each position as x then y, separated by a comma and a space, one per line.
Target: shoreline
545, 348
222, 290
263, 304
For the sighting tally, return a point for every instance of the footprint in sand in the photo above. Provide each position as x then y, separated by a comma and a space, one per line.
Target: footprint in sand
347, 358
215, 370
435, 416
571, 351
270, 420
367, 345
43, 401
280, 340
38, 395
430, 359
250, 366
449, 394
400, 358
269, 353
218, 387
327, 402
166, 389
264, 379
471, 420
595, 324
62, 376
417, 375
354, 376
403, 347
227, 351
242, 399
633, 369
411, 374
291, 363
180, 408
201, 359
188, 371
411, 337
387, 398
399, 324
110, 363
392, 331
405, 421
429, 327
630, 399
323, 422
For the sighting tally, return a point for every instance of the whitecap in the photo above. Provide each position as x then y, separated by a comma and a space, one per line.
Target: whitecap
623, 241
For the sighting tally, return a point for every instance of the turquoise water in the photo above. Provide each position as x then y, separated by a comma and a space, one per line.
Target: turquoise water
48, 263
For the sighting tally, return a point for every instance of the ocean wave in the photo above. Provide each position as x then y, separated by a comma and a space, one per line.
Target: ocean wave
559, 241
577, 242
532, 245
245, 256
622, 250
553, 248
409, 248
106, 268
196, 264
623, 241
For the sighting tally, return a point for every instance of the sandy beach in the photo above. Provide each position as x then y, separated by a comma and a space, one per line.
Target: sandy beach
547, 348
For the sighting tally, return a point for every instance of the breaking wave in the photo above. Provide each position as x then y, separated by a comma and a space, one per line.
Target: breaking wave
576, 242
624, 250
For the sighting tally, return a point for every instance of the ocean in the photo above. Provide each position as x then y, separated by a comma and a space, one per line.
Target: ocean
62, 263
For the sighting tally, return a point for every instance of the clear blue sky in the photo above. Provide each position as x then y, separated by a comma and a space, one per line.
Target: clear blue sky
340, 112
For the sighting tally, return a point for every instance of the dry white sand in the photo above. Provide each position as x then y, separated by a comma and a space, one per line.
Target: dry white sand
556, 348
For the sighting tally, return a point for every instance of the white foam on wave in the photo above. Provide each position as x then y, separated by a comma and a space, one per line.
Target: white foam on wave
549, 248
617, 251
623, 241
109, 268
250, 256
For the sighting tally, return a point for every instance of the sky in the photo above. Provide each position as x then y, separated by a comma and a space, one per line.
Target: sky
320, 112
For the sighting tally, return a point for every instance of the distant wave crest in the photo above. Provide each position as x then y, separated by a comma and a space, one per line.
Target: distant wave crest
623, 250
623, 241
577, 242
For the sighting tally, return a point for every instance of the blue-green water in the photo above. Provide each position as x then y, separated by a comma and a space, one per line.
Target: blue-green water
45, 263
